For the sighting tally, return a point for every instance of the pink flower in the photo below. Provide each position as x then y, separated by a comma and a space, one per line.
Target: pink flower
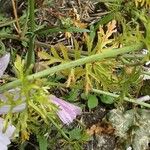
4, 61
67, 112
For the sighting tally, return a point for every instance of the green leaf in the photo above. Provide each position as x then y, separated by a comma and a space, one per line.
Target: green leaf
92, 101
24, 43
73, 95
47, 30
2, 48
54, 52
75, 29
83, 96
77, 49
19, 67
75, 134
107, 99
42, 142
44, 55
64, 51
104, 20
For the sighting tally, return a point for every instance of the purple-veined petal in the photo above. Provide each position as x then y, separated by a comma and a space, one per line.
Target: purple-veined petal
5, 137
4, 63
9, 131
6, 108
67, 112
15, 93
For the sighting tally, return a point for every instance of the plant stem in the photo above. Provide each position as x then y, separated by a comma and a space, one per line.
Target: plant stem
31, 14
59, 129
125, 98
146, 73
30, 54
93, 58
6, 23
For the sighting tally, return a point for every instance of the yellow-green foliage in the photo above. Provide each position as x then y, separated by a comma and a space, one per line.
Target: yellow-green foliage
96, 74
141, 3
39, 109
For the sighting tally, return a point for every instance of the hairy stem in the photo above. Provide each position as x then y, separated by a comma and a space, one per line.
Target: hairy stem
125, 98
93, 58
30, 54
59, 129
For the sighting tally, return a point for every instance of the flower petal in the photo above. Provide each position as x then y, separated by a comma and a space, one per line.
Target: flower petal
5, 137
67, 112
4, 63
9, 131
6, 108
2, 146
15, 93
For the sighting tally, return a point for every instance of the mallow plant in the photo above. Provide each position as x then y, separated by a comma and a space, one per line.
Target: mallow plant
5, 135
25, 107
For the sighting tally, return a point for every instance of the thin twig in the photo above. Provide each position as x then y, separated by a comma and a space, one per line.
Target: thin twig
16, 16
